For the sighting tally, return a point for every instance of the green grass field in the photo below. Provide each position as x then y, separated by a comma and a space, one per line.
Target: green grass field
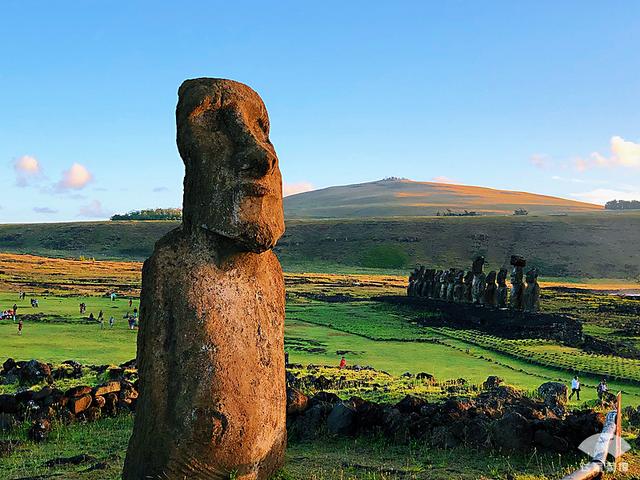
372, 334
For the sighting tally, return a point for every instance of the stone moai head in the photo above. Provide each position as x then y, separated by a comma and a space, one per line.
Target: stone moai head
491, 277
532, 275
502, 277
460, 277
232, 183
478, 264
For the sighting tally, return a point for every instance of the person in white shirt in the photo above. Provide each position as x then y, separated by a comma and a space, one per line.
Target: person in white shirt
575, 388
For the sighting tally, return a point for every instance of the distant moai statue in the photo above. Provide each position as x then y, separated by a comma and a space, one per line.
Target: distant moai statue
435, 287
444, 282
451, 283
491, 290
417, 282
502, 290
479, 280
426, 284
516, 301
467, 296
458, 288
413, 280
532, 292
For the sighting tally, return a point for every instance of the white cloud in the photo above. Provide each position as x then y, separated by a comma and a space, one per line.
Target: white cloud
76, 178
443, 179
625, 152
603, 195
160, 189
293, 188
93, 210
27, 169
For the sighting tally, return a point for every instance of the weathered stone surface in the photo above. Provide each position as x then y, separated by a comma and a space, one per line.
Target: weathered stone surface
211, 339
492, 382
490, 296
512, 432
109, 387
297, 402
554, 394
341, 419
79, 404
78, 391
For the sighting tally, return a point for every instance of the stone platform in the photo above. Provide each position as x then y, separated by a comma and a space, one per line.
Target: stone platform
503, 323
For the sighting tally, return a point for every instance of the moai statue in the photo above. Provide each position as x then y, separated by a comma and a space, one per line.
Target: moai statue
428, 280
414, 282
516, 300
502, 291
435, 289
479, 280
444, 283
458, 289
491, 289
532, 292
451, 283
411, 288
211, 341
468, 287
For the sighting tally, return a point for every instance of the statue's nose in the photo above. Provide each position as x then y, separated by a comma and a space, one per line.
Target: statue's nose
258, 161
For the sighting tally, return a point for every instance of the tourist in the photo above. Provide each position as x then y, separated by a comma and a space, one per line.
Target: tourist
15, 310
602, 390
101, 320
113, 296
20, 327
112, 321
100, 315
575, 388
130, 302
135, 313
343, 363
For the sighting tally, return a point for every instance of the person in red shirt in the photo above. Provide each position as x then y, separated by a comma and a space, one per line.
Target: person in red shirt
343, 363
20, 327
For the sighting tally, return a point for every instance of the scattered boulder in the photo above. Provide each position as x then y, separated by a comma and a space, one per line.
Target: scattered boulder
78, 391
553, 394
74, 460
492, 382
39, 430
297, 402
79, 404
341, 419
512, 432
109, 387
410, 403
34, 372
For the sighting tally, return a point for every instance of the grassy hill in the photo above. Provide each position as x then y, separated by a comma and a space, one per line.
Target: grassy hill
397, 197
590, 245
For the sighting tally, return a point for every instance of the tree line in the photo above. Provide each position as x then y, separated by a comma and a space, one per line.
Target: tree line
150, 214
622, 205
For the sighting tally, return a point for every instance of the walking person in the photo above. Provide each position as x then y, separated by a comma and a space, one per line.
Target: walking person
20, 327
575, 388
343, 363
101, 320
15, 309
112, 321
602, 390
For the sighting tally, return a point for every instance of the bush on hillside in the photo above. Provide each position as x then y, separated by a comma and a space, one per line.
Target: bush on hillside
150, 214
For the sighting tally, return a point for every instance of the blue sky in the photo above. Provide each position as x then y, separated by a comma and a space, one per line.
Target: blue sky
541, 96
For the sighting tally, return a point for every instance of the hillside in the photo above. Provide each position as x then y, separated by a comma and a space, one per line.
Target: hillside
390, 198
594, 245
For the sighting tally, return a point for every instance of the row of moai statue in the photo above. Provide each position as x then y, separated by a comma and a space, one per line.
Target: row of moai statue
474, 286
